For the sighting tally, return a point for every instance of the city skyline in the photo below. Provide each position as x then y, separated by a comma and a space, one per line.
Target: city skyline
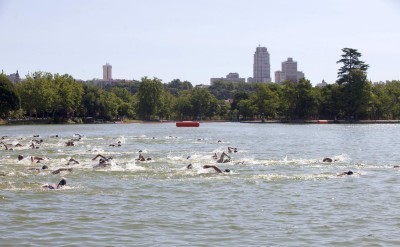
192, 41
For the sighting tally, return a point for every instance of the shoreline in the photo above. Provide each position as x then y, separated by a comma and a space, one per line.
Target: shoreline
47, 122
324, 121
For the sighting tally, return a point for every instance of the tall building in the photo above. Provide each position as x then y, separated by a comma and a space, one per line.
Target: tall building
231, 77
289, 72
107, 74
261, 66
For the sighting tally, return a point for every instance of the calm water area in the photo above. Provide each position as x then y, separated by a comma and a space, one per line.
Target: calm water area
278, 193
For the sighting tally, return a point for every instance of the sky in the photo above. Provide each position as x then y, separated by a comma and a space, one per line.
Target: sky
196, 40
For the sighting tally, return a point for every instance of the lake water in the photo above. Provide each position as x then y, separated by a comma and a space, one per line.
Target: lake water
278, 193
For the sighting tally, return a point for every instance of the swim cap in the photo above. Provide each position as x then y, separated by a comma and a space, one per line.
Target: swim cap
227, 170
190, 166
62, 182
45, 167
349, 173
20, 157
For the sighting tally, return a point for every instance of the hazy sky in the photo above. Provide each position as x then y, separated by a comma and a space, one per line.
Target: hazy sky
196, 40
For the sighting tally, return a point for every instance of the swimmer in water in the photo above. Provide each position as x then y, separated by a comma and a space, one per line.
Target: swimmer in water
72, 162
217, 169
141, 157
36, 159
53, 186
231, 149
222, 160
10, 149
345, 173
103, 162
61, 170
38, 170
116, 145
69, 143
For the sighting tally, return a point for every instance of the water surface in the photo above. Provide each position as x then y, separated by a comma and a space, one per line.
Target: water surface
278, 193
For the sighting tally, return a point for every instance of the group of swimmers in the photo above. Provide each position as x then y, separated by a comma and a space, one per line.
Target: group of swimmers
107, 161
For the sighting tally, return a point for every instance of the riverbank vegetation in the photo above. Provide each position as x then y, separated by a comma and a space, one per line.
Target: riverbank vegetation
62, 99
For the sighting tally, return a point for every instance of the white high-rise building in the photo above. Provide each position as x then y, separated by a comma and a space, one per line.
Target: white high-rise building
107, 74
261, 66
289, 72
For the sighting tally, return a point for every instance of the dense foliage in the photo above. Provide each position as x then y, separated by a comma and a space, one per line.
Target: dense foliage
61, 97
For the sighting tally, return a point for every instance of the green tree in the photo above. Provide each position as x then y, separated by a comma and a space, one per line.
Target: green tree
350, 61
267, 100
357, 95
306, 100
149, 97
183, 106
201, 102
287, 102
39, 94
247, 108
69, 95
166, 106
9, 98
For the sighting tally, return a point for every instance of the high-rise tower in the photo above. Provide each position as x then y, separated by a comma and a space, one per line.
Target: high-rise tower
289, 72
261, 65
107, 76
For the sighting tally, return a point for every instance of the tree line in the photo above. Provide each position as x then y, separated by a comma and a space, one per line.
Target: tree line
61, 98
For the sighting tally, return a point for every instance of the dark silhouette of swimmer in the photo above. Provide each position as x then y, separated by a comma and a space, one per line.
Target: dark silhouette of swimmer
346, 173
327, 160
141, 157
231, 149
53, 186
101, 156
103, 162
10, 149
116, 145
38, 170
190, 166
70, 143
216, 169
36, 159
222, 160
33, 146
72, 162
61, 170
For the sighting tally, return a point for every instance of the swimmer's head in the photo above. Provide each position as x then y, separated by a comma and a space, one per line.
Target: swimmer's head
227, 170
350, 173
20, 157
45, 167
190, 166
62, 182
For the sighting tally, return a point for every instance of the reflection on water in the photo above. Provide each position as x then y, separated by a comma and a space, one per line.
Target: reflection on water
279, 192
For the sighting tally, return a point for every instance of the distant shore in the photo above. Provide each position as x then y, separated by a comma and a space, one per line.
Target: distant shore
49, 121
325, 121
